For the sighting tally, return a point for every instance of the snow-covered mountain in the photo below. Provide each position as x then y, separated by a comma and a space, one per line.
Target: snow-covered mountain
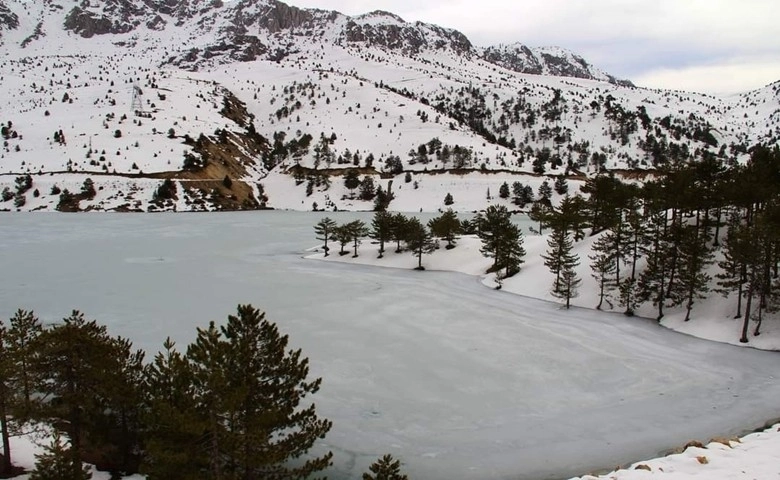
247, 103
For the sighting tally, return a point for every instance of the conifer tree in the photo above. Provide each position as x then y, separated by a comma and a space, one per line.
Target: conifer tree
562, 262
75, 357
174, 430
503, 191
357, 230
255, 427
6, 372
561, 186
603, 269
58, 463
695, 257
381, 229
446, 226
325, 231
655, 247
398, 227
419, 240
494, 228
540, 212
386, 468
510, 251
545, 193
343, 235
733, 265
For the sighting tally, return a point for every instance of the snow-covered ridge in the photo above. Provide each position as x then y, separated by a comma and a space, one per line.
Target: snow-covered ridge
382, 91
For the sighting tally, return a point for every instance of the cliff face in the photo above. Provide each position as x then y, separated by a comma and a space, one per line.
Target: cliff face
546, 61
8, 19
247, 30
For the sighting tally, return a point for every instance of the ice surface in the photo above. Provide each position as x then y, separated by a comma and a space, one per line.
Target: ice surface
457, 380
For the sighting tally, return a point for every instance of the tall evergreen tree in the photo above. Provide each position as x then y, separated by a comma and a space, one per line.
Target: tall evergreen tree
76, 359
381, 229
492, 228
655, 247
733, 264
6, 372
447, 227
357, 230
343, 235
399, 225
603, 269
266, 425
418, 239
695, 257
561, 261
325, 231
173, 427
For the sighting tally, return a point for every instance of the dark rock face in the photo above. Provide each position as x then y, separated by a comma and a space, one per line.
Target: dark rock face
8, 19
404, 37
520, 60
280, 16
87, 24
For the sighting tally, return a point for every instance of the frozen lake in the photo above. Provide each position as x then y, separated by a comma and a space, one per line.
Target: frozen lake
457, 380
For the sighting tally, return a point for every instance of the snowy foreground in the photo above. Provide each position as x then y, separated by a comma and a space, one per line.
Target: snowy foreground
457, 380
755, 456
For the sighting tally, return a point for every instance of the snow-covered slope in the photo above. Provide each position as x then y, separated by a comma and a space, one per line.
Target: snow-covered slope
132, 87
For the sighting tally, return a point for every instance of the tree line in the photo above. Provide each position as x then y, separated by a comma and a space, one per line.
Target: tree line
657, 240
501, 239
235, 404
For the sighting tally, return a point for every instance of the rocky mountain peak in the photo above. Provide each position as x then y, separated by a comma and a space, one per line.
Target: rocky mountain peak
546, 61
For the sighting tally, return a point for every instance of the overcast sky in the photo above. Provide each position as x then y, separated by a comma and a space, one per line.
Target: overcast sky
713, 46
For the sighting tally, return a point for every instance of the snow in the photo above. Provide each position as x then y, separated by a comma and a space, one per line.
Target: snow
712, 318
457, 380
754, 456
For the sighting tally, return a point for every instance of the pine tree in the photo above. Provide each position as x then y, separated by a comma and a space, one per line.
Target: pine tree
695, 257
351, 181
398, 227
254, 427
540, 212
381, 229
325, 231
656, 248
733, 266
448, 200
17, 381
386, 468
562, 263
357, 230
561, 186
510, 251
58, 463
343, 235
603, 269
270, 426
545, 193
446, 226
173, 434
75, 358
503, 190
6, 372
418, 239
494, 228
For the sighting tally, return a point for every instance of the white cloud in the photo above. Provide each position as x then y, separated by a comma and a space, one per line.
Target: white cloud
735, 76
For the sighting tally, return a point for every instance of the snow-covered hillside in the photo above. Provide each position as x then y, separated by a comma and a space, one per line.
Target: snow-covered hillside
124, 94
